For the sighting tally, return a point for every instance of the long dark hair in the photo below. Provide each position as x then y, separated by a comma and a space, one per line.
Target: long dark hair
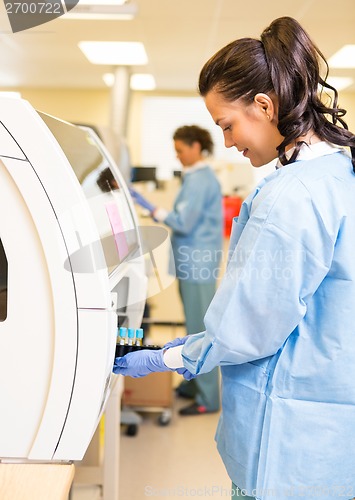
287, 63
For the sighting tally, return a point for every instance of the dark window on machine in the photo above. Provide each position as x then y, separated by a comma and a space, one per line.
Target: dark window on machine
3, 283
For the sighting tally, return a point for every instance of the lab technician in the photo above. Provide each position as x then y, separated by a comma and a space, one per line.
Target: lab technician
197, 232
282, 323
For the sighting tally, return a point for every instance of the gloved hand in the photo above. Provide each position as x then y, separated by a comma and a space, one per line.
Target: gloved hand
181, 371
185, 373
175, 342
138, 198
140, 363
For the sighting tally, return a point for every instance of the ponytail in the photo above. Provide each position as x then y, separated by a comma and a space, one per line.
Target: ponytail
285, 62
294, 65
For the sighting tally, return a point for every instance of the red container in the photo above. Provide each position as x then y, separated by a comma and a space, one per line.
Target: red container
231, 209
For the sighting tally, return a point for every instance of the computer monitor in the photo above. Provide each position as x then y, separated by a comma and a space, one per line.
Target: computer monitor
142, 173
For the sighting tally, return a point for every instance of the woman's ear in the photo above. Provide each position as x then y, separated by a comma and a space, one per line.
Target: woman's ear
265, 104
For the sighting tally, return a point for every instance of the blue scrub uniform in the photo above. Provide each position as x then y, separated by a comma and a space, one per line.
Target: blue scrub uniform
282, 326
197, 233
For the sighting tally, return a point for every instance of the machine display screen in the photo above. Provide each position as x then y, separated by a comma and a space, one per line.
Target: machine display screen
102, 189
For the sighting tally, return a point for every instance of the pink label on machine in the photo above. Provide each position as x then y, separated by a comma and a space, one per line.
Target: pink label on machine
117, 229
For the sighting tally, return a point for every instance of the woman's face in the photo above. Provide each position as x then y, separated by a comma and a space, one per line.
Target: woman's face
187, 155
252, 128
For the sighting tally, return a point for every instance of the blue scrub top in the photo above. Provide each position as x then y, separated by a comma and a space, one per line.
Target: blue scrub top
282, 326
197, 227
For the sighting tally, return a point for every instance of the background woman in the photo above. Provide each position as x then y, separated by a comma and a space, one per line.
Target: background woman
196, 222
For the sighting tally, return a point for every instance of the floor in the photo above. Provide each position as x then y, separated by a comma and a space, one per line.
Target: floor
176, 460
164, 462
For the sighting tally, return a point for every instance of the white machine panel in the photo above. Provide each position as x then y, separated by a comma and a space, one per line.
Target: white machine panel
9, 147
70, 269
91, 387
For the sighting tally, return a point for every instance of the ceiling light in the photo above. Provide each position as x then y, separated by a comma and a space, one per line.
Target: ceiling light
102, 2
105, 10
109, 79
115, 53
142, 81
10, 93
340, 82
344, 58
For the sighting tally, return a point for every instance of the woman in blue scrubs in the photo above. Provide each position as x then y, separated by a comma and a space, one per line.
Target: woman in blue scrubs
196, 221
197, 231
282, 323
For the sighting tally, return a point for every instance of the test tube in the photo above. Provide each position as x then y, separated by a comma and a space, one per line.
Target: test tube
120, 348
123, 335
131, 334
130, 340
139, 337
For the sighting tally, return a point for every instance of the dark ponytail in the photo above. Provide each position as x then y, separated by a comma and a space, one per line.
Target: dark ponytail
285, 61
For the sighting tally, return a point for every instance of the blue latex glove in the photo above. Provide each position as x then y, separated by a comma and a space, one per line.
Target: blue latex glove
181, 371
186, 374
138, 198
141, 363
175, 342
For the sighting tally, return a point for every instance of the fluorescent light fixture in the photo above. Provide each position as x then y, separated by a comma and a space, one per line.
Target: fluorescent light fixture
340, 82
142, 81
138, 81
344, 58
105, 10
10, 93
102, 2
109, 79
115, 53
